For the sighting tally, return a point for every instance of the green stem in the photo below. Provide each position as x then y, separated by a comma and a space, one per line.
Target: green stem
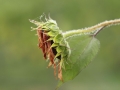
94, 30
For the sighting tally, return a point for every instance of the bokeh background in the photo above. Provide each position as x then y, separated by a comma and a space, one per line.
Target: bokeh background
22, 66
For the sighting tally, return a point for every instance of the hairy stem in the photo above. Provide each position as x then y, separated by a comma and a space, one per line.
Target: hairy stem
94, 30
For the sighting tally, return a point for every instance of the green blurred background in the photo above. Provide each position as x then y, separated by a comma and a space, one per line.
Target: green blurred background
22, 66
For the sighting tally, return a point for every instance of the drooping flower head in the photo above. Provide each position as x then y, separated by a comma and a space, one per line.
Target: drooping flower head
69, 62
53, 44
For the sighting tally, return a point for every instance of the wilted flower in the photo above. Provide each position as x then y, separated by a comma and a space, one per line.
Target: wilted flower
53, 44
56, 49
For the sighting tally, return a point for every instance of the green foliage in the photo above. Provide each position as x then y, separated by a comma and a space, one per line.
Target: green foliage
83, 50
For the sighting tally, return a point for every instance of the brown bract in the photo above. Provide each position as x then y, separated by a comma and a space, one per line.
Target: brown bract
48, 52
45, 45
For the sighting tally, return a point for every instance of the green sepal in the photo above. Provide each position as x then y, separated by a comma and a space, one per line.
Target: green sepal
54, 28
54, 45
60, 49
65, 52
58, 54
45, 28
52, 33
51, 38
58, 38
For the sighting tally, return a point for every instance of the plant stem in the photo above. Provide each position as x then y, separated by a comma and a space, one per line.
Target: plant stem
94, 30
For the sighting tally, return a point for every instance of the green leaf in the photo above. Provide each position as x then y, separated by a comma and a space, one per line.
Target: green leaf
83, 50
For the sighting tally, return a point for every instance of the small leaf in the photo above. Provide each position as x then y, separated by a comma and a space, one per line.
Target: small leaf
83, 50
